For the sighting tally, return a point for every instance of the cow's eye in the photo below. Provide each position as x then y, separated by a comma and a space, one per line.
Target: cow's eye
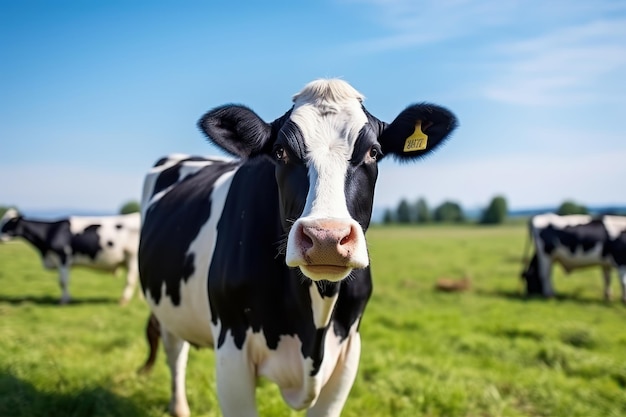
280, 154
375, 153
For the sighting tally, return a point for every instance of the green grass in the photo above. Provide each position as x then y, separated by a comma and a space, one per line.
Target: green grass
486, 352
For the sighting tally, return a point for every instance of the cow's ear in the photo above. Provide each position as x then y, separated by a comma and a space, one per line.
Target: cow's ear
236, 129
418, 130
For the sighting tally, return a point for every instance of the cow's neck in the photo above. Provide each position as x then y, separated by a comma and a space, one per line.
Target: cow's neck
34, 233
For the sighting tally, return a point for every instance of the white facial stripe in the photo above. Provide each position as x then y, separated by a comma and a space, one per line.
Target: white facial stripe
330, 140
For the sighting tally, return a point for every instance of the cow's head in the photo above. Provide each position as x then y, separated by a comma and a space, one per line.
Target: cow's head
326, 150
9, 224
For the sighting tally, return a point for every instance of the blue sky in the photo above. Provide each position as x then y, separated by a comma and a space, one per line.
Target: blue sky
93, 92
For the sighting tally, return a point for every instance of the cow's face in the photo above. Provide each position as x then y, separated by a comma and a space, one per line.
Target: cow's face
9, 225
326, 150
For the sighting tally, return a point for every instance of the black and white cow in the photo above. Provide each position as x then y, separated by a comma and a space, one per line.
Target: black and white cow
104, 243
264, 258
576, 241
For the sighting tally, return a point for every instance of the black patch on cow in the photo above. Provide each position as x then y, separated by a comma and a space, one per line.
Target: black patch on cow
160, 162
166, 178
109, 243
87, 242
291, 175
170, 226
534, 285
361, 178
171, 175
353, 296
119, 226
617, 249
315, 350
585, 236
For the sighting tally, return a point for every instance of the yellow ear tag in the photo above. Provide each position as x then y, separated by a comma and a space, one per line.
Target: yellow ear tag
417, 141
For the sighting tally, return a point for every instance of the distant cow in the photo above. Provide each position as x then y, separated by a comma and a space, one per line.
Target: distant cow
264, 258
576, 241
104, 243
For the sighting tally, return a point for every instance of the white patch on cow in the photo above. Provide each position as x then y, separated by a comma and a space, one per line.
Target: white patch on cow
330, 116
580, 258
322, 307
118, 244
615, 225
286, 367
191, 320
8, 215
544, 220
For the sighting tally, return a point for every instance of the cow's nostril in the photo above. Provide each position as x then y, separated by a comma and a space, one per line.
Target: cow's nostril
306, 241
349, 238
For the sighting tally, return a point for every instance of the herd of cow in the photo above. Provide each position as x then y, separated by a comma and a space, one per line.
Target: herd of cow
263, 257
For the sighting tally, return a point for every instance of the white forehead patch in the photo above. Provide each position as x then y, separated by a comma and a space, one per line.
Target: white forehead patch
330, 116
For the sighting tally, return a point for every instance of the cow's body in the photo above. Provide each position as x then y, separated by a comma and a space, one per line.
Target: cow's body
105, 243
249, 256
576, 241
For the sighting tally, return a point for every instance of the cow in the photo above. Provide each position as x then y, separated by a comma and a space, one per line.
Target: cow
104, 243
575, 241
263, 257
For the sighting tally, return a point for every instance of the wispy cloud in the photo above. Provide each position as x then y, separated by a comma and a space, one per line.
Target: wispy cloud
568, 66
412, 23
534, 52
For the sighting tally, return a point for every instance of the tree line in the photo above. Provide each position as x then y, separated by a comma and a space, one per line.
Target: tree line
496, 212
419, 212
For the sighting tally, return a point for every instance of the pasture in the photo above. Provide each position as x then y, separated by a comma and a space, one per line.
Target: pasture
485, 352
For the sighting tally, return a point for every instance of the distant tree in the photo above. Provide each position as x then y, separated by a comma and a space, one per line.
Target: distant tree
403, 212
449, 212
496, 212
130, 207
422, 214
570, 207
388, 217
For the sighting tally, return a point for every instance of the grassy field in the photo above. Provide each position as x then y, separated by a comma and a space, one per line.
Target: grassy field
485, 352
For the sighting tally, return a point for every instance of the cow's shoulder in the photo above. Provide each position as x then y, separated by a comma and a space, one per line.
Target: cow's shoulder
178, 213
174, 169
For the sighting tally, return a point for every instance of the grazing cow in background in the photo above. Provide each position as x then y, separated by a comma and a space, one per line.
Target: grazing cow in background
576, 241
104, 243
264, 258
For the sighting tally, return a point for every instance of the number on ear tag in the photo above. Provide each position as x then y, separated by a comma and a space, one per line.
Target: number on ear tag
417, 141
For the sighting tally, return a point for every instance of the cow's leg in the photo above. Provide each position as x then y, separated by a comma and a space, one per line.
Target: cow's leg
132, 276
153, 334
177, 351
544, 264
606, 274
335, 393
64, 282
235, 381
622, 279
